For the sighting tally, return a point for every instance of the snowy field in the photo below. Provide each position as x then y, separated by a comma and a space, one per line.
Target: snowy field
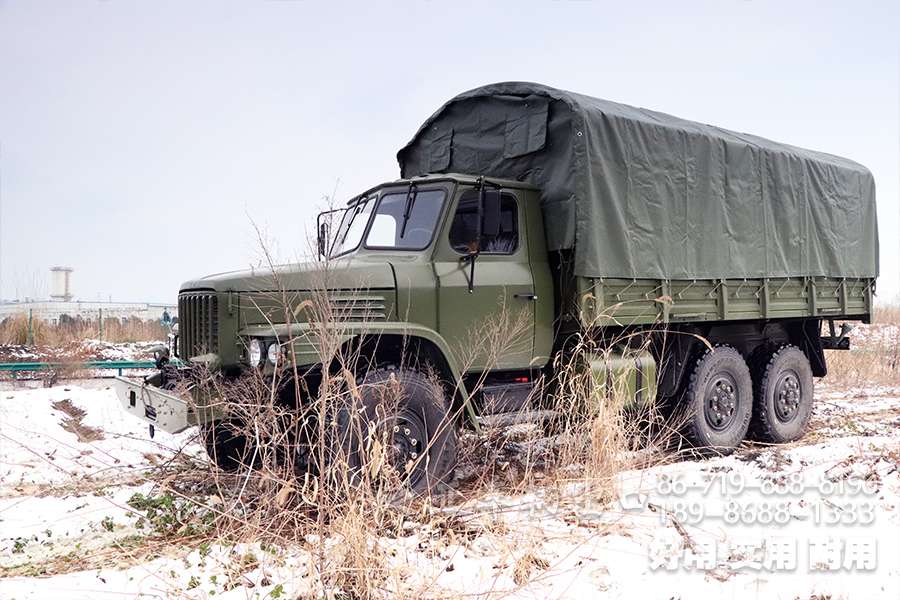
817, 519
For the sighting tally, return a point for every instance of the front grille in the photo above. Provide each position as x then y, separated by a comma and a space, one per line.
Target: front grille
198, 324
359, 308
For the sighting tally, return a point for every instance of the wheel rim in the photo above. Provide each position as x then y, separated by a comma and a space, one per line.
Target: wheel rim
787, 397
721, 402
409, 441
404, 441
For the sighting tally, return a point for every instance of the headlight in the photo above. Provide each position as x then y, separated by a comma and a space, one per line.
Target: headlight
256, 350
274, 353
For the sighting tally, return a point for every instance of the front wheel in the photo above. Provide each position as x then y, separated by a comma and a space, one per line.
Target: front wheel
226, 444
395, 426
718, 401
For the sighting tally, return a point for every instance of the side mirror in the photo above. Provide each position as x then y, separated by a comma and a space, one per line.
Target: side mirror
490, 225
322, 238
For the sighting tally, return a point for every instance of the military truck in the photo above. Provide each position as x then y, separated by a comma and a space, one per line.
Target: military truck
708, 266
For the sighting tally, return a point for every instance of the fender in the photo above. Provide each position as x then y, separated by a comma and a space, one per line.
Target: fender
307, 343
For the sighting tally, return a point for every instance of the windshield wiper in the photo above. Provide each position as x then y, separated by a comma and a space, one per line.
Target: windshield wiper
411, 194
350, 215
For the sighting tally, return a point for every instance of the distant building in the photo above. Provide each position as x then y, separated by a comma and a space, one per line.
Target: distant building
52, 310
60, 304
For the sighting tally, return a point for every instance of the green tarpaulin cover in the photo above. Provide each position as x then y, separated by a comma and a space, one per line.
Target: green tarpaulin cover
642, 194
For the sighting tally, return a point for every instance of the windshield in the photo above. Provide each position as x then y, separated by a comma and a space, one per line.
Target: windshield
352, 227
403, 221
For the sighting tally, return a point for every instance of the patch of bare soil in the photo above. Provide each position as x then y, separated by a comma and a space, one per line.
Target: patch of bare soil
73, 423
767, 459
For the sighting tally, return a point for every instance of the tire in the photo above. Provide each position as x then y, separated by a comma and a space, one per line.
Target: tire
396, 427
226, 448
718, 402
782, 394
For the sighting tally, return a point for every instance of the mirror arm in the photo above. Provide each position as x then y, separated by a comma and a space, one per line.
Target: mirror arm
471, 260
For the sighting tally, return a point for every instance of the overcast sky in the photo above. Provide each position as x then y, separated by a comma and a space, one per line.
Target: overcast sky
140, 141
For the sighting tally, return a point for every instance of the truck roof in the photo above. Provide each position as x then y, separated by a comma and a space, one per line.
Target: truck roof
426, 178
642, 194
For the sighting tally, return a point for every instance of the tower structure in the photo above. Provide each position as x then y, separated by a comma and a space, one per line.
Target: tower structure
61, 284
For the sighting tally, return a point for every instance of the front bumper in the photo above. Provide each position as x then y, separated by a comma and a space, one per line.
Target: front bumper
159, 408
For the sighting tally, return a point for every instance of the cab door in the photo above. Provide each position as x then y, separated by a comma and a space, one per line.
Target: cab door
489, 319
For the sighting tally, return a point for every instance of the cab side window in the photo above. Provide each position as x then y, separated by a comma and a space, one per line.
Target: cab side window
464, 228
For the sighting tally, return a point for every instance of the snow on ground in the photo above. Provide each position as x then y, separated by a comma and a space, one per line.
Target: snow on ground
67, 434
816, 519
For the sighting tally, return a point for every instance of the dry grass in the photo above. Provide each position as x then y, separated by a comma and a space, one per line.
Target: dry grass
874, 357
350, 525
342, 524
347, 526
66, 346
20, 330
345, 522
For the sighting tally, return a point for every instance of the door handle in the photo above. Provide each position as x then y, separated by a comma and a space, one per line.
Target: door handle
526, 296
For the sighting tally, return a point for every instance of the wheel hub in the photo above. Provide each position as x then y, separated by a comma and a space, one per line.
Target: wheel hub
403, 438
721, 402
406, 444
787, 397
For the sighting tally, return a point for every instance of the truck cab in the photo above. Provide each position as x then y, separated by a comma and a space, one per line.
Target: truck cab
467, 255
441, 276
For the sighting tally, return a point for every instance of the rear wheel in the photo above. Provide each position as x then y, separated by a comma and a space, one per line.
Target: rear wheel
782, 394
396, 429
718, 400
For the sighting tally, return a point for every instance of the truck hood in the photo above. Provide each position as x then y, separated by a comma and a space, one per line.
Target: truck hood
343, 274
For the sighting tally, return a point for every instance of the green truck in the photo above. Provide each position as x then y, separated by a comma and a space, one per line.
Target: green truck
534, 230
